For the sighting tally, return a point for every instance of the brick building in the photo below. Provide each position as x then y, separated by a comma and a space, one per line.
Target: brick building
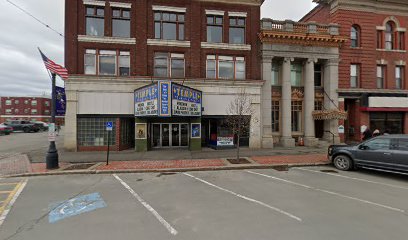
122, 54
373, 87
25, 108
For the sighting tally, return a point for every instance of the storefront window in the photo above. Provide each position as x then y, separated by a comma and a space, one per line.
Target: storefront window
391, 122
92, 132
297, 116
275, 116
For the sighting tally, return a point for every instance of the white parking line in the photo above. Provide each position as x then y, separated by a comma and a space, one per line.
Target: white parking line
246, 198
147, 206
354, 178
329, 192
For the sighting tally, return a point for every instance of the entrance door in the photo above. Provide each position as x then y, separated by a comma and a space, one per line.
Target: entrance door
170, 135
175, 135
165, 135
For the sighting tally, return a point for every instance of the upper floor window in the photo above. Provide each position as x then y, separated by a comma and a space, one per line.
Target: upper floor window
25, 101
215, 28
355, 36
8, 111
296, 75
380, 76
318, 75
169, 25
47, 103
16, 102
8, 102
389, 36
225, 67
237, 30
275, 74
95, 21
34, 103
354, 75
399, 77
120, 23
33, 111
169, 65
107, 62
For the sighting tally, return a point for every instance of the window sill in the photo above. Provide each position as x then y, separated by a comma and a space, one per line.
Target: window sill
115, 40
227, 46
392, 50
168, 43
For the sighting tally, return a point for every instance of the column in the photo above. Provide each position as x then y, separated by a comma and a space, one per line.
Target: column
331, 84
266, 103
310, 138
70, 129
286, 126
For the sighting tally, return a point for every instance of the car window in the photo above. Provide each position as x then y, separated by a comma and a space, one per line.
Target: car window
403, 144
379, 144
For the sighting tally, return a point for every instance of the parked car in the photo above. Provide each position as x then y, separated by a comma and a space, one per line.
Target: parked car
43, 126
22, 125
5, 130
389, 153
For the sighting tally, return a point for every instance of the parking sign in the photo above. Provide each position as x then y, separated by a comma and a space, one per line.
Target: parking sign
109, 126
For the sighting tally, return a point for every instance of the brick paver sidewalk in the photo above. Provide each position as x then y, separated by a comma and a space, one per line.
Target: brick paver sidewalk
15, 164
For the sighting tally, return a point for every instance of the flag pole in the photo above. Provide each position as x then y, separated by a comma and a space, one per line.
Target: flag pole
52, 154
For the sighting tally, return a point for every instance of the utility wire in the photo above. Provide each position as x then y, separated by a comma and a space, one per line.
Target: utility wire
31, 15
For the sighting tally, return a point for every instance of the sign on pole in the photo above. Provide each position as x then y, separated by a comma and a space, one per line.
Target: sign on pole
109, 126
51, 132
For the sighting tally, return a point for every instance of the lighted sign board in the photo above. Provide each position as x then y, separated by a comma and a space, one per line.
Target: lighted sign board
146, 100
164, 98
186, 101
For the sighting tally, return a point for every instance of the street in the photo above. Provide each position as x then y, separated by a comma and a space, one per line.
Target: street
302, 203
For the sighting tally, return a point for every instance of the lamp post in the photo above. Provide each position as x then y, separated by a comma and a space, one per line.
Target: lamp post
52, 154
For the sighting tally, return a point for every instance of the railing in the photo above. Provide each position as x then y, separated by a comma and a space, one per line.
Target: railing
299, 27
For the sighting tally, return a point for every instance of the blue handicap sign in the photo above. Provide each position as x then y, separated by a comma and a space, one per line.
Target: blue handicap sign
75, 206
109, 126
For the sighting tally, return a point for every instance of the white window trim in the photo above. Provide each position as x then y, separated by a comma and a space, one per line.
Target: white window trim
113, 40
400, 63
400, 29
94, 3
237, 14
226, 46
214, 12
168, 43
168, 9
120, 5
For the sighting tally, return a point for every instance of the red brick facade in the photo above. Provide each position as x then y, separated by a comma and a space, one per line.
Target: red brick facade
27, 108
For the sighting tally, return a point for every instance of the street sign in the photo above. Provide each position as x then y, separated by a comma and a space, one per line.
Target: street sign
109, 126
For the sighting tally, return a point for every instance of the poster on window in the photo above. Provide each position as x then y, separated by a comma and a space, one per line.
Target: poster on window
141, 131
225, 141
146, 101
195, 130
186, 101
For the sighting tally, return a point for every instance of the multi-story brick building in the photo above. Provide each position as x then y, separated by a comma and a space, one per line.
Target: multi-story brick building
26, 108
373, 87
112, 48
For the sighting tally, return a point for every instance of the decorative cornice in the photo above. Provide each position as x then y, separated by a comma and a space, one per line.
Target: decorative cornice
226, 46
237, 14
168, 43
94, 2
168, 8
115, 40
214, 12
301, 39
120, 4
365, 90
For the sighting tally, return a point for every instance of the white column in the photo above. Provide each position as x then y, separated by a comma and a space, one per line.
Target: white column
331, 98
310, 138
286, 126
266, 103
70, 129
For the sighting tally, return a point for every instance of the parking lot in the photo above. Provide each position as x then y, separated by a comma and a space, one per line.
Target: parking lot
302, 203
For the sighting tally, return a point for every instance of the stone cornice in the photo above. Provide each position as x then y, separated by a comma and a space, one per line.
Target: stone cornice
226, 46
301, 39
393, 7
365, 90
168, 43
94, 3
120, 4
110, 40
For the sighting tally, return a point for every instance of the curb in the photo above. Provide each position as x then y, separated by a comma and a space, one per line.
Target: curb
221, 168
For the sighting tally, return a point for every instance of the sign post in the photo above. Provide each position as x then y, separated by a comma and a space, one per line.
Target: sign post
109, 127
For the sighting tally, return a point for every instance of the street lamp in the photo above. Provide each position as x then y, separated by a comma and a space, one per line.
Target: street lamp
52, 154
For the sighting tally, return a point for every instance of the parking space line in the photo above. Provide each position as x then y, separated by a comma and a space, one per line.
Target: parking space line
353, 178
5, 184
11, 199
147, 206
246, 198
5, 192
329, 192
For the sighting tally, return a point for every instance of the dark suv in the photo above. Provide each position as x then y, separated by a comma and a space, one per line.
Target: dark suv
22, 125
384, 152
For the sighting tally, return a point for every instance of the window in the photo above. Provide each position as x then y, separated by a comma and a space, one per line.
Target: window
120, 23
91, 132
275, 116
214, 29
15, 110
297, 116
8, 102
355, 36
354, 75
403, 144
399, 77
318, 105
225, 67
378, 144
26, 110
90, 61
34, 103
237, 30
95, 21
8, 111
380, 76
296, 75
16, 101
318, 75
25, 101
124, 63
47, 103
275, 74
47, 111
389, 36
107, 62
169, 26
33, 111
169, 65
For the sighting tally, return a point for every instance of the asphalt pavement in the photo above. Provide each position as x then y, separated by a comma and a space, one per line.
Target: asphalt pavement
302, 203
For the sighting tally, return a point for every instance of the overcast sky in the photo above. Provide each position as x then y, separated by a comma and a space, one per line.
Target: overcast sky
22, 71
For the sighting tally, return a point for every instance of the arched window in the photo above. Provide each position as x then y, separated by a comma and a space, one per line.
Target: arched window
355, 36
389, 36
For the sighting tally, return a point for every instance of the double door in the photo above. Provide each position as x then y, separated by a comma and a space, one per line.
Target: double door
170, 135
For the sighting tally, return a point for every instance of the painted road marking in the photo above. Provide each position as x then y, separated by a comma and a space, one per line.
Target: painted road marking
354, 178
75, 206
11, 183
5, 192
11, 199
246, 198
147, 206
329, 192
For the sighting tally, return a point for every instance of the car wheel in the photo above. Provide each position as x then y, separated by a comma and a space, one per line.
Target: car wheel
343, 162
26, 130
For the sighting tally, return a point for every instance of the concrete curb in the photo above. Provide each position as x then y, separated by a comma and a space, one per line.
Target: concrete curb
94, 171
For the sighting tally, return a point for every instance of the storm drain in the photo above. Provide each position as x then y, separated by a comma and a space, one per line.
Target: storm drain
80, 166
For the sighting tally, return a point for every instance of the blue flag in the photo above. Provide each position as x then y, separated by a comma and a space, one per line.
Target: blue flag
61, 101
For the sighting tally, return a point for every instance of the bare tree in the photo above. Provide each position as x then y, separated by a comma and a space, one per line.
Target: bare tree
239, 113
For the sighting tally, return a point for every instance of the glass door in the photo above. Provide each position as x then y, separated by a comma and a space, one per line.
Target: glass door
156, 135
184, 134
175, 135
165, 135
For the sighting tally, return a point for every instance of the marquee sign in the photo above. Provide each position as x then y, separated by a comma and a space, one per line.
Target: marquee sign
166, 99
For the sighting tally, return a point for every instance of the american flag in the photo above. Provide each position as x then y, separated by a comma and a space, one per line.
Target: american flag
54, 68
